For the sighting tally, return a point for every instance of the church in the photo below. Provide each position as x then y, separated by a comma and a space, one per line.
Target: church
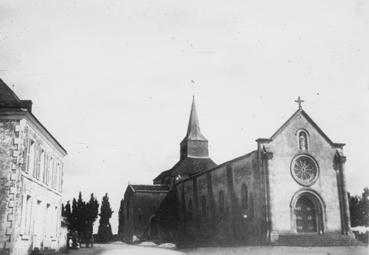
290, 190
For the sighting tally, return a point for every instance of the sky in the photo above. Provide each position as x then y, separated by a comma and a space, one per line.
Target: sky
113, 80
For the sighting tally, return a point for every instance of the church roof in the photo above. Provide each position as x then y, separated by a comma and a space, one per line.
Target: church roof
300, 111
193, 129
162, 174
149, 188
188, 166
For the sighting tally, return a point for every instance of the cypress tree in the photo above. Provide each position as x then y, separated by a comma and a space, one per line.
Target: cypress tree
121, 217
104, 233
92, 209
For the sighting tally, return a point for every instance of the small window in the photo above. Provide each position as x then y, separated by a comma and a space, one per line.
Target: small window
303, 140
244, 198
221, 201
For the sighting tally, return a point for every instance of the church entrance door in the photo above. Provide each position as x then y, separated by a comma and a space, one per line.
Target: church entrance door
306, 215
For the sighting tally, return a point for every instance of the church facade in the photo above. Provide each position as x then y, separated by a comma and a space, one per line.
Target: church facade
31, 177
289, 190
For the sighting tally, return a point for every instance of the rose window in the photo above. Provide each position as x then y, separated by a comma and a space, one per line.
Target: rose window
304, 170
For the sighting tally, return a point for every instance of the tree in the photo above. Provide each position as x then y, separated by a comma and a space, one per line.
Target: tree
354, 202
66, 213
121, 217
365, 207
81, 214
92, 210
104, 233
359, 209
74, 216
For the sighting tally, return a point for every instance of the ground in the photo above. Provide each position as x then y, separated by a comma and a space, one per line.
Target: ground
119, 248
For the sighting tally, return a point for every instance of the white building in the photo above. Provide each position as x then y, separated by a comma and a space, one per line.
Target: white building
31, 178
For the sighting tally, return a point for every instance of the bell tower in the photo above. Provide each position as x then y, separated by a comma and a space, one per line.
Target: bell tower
194, 145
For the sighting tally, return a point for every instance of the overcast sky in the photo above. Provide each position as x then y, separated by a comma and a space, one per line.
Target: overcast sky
113, 80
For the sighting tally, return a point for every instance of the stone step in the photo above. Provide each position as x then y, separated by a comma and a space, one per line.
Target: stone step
316, 240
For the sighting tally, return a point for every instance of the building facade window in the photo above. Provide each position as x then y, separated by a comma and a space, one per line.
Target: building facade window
49, 170
53, 176
42, 165
36, 172
57, 222
60, 177
26, 215
31, 157
49, 220
221, 202
244, 197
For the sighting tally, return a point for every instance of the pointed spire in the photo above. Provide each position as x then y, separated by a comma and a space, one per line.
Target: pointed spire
193, 130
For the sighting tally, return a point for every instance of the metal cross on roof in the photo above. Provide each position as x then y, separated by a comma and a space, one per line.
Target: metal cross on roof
299, 101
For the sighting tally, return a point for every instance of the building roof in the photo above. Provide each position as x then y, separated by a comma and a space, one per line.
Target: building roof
191, 163
193, 129
9, 101
188, 166
149, 188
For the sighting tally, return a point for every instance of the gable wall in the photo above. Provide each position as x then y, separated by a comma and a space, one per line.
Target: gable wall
282, 185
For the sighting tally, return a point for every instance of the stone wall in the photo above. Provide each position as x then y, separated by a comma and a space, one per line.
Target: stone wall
31, 208
210, 204
142, 206
9, 160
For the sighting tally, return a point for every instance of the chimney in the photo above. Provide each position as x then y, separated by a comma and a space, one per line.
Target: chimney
27, 104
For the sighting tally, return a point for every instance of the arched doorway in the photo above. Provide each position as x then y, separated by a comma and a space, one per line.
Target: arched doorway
306, 220
307, 213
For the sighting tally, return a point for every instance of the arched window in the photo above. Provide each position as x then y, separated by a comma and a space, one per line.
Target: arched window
203, 206
189, 209
221, 201
303, 141
244, 198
